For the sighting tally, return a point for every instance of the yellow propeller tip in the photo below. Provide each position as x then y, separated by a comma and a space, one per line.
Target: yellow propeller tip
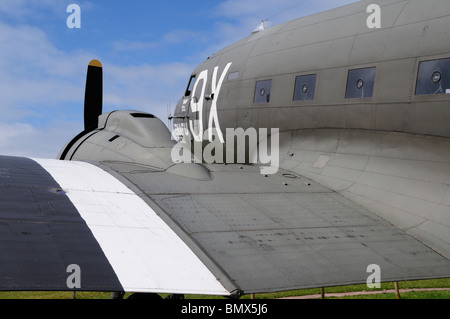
95, 63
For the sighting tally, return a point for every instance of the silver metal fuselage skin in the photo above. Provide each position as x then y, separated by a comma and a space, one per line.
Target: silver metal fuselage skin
330, 44
389, 152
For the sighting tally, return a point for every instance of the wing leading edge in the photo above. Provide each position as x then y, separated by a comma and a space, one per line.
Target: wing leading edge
42, 234
135, 229
280, 232
59, 213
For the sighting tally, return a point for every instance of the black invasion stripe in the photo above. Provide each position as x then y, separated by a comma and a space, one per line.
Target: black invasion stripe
42, 233
73, 141
84, 134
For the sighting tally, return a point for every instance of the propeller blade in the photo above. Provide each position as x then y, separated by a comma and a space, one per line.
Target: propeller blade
93, 98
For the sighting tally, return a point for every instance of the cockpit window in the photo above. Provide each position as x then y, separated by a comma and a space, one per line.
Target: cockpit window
190, 86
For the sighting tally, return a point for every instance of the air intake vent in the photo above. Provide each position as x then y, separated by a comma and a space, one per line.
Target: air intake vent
142, 115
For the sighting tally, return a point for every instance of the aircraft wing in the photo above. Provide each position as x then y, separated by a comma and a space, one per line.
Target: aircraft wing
225, 230
54, 214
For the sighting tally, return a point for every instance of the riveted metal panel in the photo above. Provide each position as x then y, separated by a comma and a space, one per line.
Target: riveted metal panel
42, 233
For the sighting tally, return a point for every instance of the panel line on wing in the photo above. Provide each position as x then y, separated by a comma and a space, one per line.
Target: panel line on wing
145, 253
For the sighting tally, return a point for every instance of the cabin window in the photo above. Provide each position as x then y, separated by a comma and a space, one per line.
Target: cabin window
433, 77
262, 91
305, 87
360, 83
190, 85
233, 76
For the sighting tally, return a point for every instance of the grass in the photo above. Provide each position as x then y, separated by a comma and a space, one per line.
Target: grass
404, 295
53, 295
421, 284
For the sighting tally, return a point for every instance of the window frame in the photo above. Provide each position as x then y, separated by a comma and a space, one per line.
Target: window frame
297, 86
190, 85
425, 84
365, 76
260, 85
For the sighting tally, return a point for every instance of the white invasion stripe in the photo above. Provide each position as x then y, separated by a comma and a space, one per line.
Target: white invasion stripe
146, 255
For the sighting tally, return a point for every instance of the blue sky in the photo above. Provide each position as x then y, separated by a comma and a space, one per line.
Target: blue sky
148, 50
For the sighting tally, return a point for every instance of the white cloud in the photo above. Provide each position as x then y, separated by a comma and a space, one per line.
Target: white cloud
42, 90
279, 11
125, 45
173, 37
236, 19
42, 87
23, 139
246, 15
32, 9
33, 73
145, 87
261, 9
182, 36
21, 8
